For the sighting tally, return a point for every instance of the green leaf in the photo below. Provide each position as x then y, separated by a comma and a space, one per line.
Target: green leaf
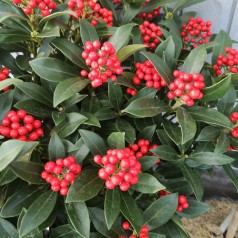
173, 132
217, 90
165, 152
105, 114
154, 4
121, 36
56, 147
70, 50
209, 133
6, 103
195, 60
79, 217
160, 211
34, 108
117, 140
210, 116
7, 229
36, 92
87, 31
167, 46
38, 212
193, 178
63, 231
147, 162
91, 119
58, 117
10, 36
112, 206
211, 158
223, 40
71, 123
195, 209
146, 107
68, 88
147, 133
161, 67
187, 123
115, 95
148, 184
9, 151
232, 175
127, 128
8, 82
223, 143
49, 30
7, 176
86, 186
52, 69
128, 50
21, 198
28, 171
131, 211
94, 142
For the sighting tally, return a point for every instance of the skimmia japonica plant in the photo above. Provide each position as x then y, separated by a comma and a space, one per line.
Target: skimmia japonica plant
110, 112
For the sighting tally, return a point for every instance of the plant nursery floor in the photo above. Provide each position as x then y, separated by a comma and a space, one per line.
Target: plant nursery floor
207, 226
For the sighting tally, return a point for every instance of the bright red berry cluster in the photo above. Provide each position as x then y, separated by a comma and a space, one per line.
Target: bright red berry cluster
45, 6
103, 62
143, 232
163, 193
182, 203
234, 119
187, 86
151, 34
228, 63
146, 72
91, 9
21, 126
149, 15
121, 167
117, 1
196, 32
4, 74
230, 148
61, 173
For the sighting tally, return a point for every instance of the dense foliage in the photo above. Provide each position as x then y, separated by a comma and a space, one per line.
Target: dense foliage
110, 113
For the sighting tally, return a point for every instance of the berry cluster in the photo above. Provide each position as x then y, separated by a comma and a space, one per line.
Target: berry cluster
91, 9
187, 86
163, 193
227, 63
146, 72
196, 32
234, 119
143, 232
45, 6
61, 173
121, 167
21, 126
230, 148
4, 73
117, 1
149, 15
182, 203
103, 62
150, 33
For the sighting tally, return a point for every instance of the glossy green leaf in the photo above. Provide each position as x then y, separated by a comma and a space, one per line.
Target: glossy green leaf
70, 50
187, 123
7, 229
160, 211
147, 162
49, 30
223, 143
68, 88
146, 107
165, 152
64, 231
115, 95
147, 133
71, 123
56, 147
195, 60
38, 212
6, 103
217, 90
87, 31
86, 186
7, 176
209, 116
8, 82
154, 4
209, 133
231, 174
53, 70
79, 217
112, 206
105, 114
131, 211
117, 140
148, 184
193, 178
161, 67
13, 36
128, 50
173, 132
91, 119
28, 171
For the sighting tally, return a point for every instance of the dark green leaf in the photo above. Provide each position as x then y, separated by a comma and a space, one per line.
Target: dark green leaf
87, 31
56, 147
7, 82
79, 217
160, 211
165, 152
209, 133
6, 103
105, 114
7, 176
49, 30
38, 212
187, 123
7, 229
91, 119
147, 133
13, 36
112, 206
147, 162
86, 186
223, 143
148, 184
117, 140
63, 232
231, 174
115, 95
128, 50
173, 132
